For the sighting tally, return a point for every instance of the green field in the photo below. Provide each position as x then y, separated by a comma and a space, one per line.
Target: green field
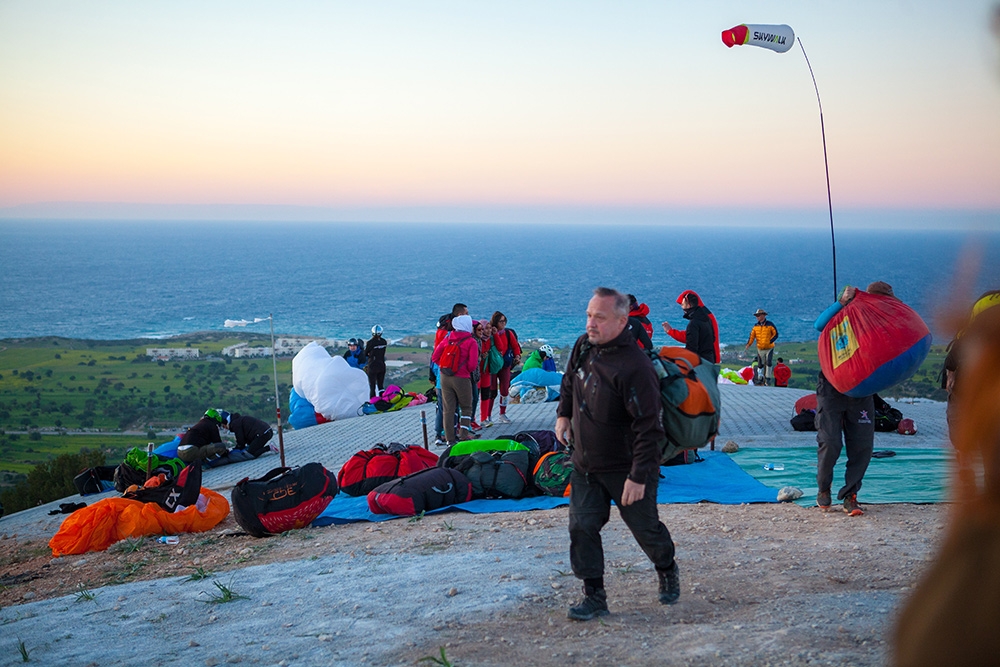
60, 395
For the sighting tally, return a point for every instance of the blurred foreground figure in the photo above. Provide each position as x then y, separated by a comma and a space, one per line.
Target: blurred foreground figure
953, 617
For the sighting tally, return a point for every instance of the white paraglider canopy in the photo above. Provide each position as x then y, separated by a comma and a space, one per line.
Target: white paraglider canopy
335, 389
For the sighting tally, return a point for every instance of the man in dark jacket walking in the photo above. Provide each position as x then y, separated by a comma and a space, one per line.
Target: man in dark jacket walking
609, 415
252, 434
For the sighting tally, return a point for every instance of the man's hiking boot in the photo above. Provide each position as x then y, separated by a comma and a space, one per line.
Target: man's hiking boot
851, 506
823, 500
594, 603
475, 426
670, 584
486, 423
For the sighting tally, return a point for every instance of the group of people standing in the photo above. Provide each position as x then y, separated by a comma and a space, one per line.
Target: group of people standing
487, 351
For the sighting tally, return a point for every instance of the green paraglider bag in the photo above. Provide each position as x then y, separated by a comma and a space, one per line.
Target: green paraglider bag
495, 361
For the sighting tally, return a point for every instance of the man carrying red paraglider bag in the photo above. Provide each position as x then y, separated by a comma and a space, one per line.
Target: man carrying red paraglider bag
870, 341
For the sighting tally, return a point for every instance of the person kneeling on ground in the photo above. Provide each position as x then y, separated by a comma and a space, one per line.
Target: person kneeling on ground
252, 434
202, 441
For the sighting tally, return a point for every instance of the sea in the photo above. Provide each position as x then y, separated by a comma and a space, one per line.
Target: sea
156, 279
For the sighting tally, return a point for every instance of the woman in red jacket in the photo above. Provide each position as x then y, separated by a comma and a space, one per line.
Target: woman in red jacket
509, 348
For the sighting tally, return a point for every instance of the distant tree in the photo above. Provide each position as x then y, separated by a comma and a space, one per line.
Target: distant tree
50, 481
34, 435
92, 362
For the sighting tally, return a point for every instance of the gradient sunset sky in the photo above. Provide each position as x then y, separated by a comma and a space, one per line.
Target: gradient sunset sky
535, 105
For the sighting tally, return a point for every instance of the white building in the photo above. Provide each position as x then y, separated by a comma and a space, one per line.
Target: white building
244, 351
288, 346
164, 353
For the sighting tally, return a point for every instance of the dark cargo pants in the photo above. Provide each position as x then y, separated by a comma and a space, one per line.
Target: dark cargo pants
590, 508
842, 420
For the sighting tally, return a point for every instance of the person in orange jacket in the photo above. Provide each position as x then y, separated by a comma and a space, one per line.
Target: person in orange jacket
764, 333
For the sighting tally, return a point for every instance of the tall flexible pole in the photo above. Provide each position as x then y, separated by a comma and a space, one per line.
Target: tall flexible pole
277, 403
826, 165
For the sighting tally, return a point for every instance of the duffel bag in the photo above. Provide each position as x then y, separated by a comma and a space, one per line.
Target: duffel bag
283, 499
369, 469
420, 492
498, 474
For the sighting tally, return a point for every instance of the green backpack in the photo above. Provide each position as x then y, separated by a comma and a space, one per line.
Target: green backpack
136, 457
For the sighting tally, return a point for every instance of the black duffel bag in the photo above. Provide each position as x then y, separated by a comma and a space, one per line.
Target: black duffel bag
283, 499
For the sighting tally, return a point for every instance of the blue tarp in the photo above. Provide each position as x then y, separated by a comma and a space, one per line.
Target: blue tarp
911, 476
718, 480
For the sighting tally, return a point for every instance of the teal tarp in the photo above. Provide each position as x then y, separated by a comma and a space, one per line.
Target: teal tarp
911, 476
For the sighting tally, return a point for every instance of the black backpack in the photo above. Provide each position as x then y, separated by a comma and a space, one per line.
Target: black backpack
887, 418
95, 480
498, 474
804, 421
283, 499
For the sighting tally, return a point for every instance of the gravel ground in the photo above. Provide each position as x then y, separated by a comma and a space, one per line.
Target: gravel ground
761, 584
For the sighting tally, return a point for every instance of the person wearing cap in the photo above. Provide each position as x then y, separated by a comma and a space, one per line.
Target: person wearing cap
702, 333
202, 441
949, 374
355, 354
764, 333
375, 351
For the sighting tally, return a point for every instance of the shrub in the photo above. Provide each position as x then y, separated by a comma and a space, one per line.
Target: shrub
50, 481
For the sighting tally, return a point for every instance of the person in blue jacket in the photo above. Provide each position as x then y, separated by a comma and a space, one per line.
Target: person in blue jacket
355, 354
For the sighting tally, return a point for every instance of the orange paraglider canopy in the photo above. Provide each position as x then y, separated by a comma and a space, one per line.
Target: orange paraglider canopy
98, 526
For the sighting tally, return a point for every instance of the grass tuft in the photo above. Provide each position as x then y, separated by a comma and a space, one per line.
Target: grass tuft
225, 594
83, 594
199, 574
443, 660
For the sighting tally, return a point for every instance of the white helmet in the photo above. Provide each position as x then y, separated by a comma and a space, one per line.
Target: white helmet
547, 349
377, 329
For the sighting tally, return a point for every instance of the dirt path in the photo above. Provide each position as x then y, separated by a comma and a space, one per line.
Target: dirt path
761, 584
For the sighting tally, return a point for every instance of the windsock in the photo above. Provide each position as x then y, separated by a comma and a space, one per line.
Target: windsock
777, 38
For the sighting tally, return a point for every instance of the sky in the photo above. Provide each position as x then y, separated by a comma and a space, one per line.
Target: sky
521, 110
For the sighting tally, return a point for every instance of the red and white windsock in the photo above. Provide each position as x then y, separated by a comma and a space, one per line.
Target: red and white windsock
778, 38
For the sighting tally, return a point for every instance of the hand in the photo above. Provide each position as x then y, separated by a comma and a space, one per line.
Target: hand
666, 327
633, 492
562, 430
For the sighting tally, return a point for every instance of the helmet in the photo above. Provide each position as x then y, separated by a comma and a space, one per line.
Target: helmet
377, 329
547, 349
225, 416
353, 341
214, 415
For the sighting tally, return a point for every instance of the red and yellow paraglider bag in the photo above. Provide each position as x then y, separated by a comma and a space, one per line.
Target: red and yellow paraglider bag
874, 342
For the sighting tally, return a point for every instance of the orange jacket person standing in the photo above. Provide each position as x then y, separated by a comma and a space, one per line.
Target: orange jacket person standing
764, 333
